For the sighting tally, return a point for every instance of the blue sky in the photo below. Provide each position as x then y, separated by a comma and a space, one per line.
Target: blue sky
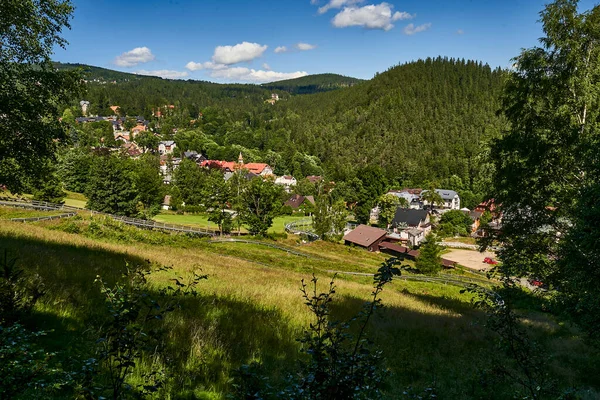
265, 40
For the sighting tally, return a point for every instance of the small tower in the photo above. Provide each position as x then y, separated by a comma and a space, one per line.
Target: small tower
240, 159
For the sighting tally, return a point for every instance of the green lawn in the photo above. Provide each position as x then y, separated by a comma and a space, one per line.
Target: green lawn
9, 213
74, 199
185, 219
201, 220
280, 222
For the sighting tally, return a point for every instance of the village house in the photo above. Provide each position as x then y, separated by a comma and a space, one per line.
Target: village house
297, 201
132, 149
412, 197
374, 214
260, 169
84, 106
166, 147
450, 198
167, 167
365, 236
122, 136
137, 129
409, 218
166, 205
287, 181
410, 225
194, 156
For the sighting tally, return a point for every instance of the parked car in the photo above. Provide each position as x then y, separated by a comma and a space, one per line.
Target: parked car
489, 260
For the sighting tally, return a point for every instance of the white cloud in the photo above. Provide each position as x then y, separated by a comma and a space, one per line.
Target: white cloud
400, 15
241, 52
134, 57
281, 49
411, 29
266, 66
242, 74
460, 32
164, 73
336, 4
194, 66
371, 17
305, 46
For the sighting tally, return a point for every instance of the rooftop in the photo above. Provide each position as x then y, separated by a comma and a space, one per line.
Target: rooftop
365, 235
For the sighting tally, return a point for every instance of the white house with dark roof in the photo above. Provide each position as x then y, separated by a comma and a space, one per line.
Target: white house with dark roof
412, 197
287, 181
166, 147
450, 198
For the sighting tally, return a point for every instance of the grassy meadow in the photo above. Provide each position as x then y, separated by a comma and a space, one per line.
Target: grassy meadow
250, 309
201, 220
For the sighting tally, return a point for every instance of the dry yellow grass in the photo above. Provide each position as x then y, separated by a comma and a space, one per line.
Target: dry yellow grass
253, 310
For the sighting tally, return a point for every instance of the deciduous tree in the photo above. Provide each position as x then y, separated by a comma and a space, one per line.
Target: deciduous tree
388, 204
546, 165
262, 202
112, 186
30, 88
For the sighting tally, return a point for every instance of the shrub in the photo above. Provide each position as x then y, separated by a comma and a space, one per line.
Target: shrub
286, 210
339, 365
24, 366
429, 261
18, 293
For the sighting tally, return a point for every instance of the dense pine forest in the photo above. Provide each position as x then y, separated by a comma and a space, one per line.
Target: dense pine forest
422, 122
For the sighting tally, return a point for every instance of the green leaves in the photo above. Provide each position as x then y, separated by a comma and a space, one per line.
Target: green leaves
547, 162
30, 89
429, 261
262, 201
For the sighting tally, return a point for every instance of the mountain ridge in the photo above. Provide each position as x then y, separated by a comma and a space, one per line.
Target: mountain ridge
304, 85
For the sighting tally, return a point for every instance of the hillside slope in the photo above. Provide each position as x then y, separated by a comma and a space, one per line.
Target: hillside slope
426, 120
250, 309
313, 83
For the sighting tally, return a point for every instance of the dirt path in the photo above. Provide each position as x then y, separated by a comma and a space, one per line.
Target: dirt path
470, 258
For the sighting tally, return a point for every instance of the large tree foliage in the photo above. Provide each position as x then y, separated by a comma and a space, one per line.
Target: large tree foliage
149, 184
370, 183
262, 202
74, 167
429, 260
329, 218
218, 196
30, 88
547, 164
190, 181
112, 186
455, 222
388, 204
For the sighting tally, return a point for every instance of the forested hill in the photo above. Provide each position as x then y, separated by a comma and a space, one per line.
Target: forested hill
425, 120
140, 94
98, 73
313, 83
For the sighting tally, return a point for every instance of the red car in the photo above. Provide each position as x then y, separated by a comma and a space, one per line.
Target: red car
489, 260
